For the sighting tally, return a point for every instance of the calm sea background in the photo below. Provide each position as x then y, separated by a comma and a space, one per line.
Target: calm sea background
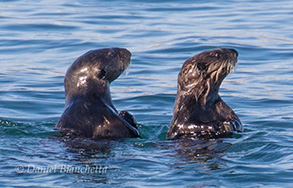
40, 39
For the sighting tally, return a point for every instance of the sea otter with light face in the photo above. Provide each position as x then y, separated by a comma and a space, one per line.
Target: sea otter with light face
199, 111
89, 111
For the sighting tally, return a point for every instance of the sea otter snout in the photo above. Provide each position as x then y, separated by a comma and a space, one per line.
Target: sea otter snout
206, 71
199, 111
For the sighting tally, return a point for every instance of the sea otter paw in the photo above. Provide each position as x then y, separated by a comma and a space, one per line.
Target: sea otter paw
234, 125
129, 118
237, 125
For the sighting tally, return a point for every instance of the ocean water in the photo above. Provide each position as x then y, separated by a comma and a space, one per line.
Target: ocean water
40, 39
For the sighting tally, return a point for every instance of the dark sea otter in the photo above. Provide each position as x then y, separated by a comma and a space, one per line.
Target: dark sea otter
199, 111
89, 111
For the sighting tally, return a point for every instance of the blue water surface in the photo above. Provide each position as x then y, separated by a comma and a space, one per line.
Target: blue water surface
40, 39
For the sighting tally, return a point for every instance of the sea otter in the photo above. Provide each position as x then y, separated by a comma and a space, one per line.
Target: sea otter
199, 111
89, 111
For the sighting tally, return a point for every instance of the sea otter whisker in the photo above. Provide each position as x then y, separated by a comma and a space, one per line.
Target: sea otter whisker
127, 70
232, 68
208, 88
191, 85
198, 101
215, 76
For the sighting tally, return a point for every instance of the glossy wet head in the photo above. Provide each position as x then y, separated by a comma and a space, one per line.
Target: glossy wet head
212, 66
95, 69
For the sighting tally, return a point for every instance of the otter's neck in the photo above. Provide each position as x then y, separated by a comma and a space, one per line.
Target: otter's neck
196, 104
93, 92
204, 92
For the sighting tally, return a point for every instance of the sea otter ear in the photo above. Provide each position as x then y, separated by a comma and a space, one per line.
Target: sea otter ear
102, 74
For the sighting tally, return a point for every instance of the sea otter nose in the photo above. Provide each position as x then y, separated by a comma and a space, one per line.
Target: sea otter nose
123, 54
121, 51
234, 52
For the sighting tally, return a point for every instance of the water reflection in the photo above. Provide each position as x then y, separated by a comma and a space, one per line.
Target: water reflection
206, 152
88, 159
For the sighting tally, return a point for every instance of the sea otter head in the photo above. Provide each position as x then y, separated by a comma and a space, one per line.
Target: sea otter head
92, 72
203, 74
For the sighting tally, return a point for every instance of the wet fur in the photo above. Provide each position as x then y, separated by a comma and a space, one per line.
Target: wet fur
89, 111
199, 111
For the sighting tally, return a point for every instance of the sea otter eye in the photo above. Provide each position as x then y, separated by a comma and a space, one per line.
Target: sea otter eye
109, 53
217, 55
201, 67
102, 74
